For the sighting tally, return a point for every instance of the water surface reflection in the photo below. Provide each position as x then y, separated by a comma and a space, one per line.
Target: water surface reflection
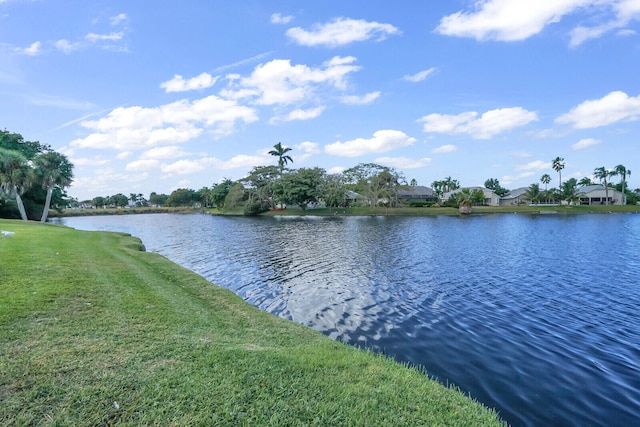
534, 315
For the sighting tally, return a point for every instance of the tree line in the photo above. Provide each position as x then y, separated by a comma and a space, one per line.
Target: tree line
367, 184
569, 191
33, 177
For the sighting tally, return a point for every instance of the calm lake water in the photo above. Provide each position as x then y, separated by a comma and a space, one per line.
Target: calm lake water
537, 316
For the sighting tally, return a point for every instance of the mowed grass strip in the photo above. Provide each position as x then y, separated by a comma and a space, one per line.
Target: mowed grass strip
95, 331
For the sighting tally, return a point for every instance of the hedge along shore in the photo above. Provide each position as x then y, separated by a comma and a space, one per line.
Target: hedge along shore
95, 331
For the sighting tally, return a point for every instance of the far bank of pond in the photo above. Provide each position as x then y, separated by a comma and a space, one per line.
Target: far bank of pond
361, 211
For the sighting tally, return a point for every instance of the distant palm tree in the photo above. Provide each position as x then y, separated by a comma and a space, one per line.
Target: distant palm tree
533, 193
602, 174
585, 181
280, 152
558, 164
622, 172
15, 177
53, 169
545, 179
465, 201
569, 191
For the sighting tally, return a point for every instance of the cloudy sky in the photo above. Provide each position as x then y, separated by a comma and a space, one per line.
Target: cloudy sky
152, 96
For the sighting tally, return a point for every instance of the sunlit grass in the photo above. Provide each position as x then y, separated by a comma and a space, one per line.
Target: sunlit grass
94, 331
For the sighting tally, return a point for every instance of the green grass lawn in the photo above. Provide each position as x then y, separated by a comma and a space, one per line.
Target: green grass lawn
94, 331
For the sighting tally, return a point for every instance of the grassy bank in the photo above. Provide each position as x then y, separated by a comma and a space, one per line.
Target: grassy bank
94, 331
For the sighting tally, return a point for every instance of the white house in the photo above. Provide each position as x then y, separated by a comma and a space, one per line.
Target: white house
597, 195
490, 198
514, 197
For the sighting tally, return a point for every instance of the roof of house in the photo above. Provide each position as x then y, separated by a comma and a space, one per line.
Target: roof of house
597, 187
415, 190
515, 193
451, 193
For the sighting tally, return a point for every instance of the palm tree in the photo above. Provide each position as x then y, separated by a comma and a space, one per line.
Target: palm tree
545, 179
16, 177
558, 164
533, 193
585, 181
569, 191
623, 173
602, 174
53, 169
280, 152
464, 199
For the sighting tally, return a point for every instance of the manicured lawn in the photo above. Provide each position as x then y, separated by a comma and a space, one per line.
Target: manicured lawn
94, 331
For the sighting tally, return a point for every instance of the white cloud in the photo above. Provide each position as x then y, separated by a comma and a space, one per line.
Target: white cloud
626, 33
341, 31
118, 19
301, 114
142, 165
278, 18
115, 36
279, 83
166, 152
381, 142
179, 84
624, 10
491, 123
447, 148
508, 179
404, 162
308, 147
66, 46
585, 143
360, 100
185, 167
418, 77
32, 50
131, 128
512, 20
336, 170
507, 20
613, 107
537, 165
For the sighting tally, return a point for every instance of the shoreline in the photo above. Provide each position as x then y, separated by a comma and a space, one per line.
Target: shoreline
365, 211
111, 334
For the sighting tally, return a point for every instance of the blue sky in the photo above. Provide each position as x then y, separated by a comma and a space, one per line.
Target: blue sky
152, 96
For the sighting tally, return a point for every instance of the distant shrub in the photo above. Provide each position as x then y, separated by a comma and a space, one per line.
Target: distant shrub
420, 203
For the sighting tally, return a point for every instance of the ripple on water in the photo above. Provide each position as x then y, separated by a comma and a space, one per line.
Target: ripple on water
533, 315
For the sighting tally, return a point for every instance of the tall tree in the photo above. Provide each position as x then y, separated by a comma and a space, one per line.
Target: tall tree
558, 164
622, 172
569, 191
494, 185
53, 169
261, 182
281, 153
301, 186
16, 176
374, 181
545, 179
585, 181
602, 174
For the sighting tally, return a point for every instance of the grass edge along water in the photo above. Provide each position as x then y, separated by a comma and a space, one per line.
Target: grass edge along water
94, 330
